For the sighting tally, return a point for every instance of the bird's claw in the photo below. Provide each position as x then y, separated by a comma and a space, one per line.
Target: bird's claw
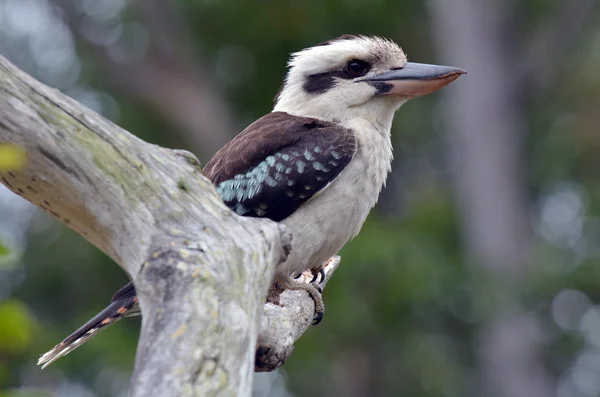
317, 318
319, 272
315, 276
314, 291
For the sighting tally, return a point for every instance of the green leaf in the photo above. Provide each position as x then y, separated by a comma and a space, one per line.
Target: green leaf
16, 328
4, 250
9, 255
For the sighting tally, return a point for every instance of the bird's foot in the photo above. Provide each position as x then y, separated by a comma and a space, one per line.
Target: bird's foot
314, 273
318, 271
297, 285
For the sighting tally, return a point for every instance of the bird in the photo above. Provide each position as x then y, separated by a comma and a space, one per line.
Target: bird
316, 163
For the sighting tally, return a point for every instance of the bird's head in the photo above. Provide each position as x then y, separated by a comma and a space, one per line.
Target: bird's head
356, 77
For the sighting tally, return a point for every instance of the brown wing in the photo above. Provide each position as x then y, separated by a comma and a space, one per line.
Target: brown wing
278, 163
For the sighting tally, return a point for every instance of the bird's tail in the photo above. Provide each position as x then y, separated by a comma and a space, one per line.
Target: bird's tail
123, 304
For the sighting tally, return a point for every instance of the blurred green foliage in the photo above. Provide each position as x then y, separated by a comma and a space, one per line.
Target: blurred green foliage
17, 327
24, 393
4, 250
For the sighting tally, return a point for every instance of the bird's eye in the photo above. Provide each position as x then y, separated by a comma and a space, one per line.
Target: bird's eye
356, 68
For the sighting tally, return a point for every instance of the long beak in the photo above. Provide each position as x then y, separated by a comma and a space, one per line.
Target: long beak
414, 79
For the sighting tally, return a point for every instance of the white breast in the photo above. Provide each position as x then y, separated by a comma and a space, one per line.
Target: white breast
322, 226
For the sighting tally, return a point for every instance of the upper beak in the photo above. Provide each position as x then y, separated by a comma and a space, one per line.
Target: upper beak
414, 79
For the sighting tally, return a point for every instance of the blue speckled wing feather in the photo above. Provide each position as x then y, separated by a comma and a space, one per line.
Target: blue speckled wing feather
278, 163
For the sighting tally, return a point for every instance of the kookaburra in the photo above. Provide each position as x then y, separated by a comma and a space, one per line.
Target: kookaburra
316, 163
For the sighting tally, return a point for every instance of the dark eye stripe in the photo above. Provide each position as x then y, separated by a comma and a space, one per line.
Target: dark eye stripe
323, 82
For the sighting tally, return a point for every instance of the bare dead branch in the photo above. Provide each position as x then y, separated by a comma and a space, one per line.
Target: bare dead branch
202, 273
284, 323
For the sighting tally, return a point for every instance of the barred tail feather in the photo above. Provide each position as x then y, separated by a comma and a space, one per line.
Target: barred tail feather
123, 304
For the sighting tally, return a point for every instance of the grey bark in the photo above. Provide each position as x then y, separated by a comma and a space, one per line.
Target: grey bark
284, 322
486, 153
202, 273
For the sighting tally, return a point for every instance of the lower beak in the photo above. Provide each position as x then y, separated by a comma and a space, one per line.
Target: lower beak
414, 79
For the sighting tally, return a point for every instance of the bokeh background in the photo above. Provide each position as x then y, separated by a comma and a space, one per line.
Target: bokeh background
478, 273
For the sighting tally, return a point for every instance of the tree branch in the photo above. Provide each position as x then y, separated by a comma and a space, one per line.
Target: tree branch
284, 324
202, 273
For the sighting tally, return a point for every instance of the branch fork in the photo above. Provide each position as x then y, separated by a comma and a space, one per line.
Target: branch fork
201, 272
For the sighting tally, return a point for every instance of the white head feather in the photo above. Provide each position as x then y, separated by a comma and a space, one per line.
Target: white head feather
345, 99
